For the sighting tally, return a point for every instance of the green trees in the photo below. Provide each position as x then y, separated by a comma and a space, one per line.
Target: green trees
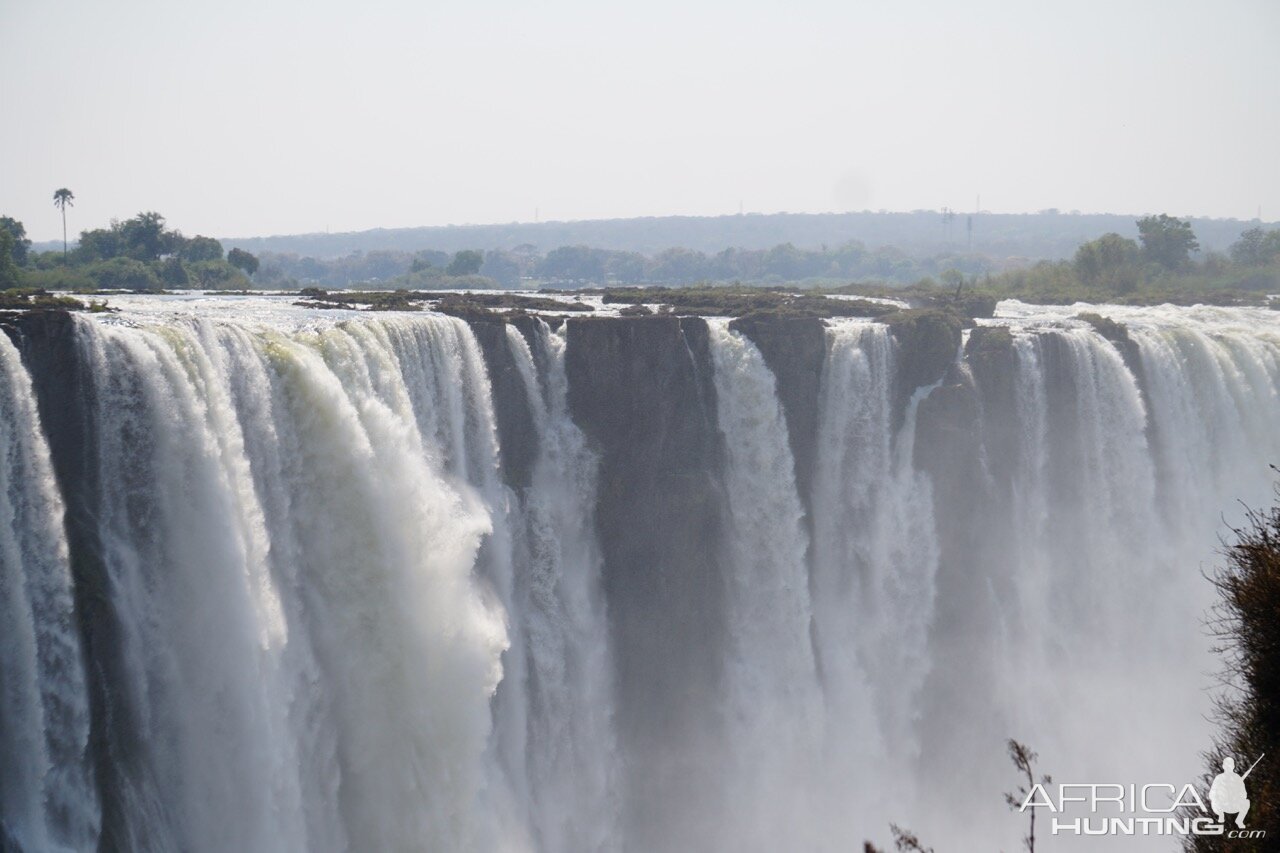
62, 199
573, 263
144, 237
681, 266
13, 251
99, 244
8, 269
785, 262
466, 262
502, 267
421, 263
243, 261
1257, 247
123, 274
1095, 258
627, 267
199, 248
578, 264
1167, 240
140, 253
21, 245
173, 273
216, 275
1110, 261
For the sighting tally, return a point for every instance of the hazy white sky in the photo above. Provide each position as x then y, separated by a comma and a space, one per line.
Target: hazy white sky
242, 118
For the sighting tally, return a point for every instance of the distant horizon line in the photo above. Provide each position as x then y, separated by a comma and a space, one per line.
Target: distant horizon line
742, 214
1049, 211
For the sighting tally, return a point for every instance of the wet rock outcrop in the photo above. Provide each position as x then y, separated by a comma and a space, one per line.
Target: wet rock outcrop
517, 436
795, 349
642, 391
928, 340
1118, 334
958, 425
65, 391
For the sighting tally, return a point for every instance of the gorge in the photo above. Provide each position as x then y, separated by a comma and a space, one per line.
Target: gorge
283, 579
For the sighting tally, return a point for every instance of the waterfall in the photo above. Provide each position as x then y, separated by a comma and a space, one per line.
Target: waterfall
572, 748
328, 582
1088, 550
46, 798
772, 704
875, 555
308, 648
1123, 461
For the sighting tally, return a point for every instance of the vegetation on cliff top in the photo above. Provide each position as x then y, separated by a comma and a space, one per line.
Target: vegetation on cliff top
460, 304
1246, 624
1163, 265
138, 254
29, 299
1157, 268
1116, 270
143, 254
741, 301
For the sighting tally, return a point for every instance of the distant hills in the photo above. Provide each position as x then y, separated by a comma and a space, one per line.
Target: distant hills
1047, 234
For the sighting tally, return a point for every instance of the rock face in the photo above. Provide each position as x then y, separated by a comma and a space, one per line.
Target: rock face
973, 406
928, 341
1118, 334
993, 365
642, 391
795, 349
65, 391
516, 434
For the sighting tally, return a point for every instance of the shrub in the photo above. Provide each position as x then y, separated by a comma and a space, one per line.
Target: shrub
57, 278
122, 274
1246, 623
216, 275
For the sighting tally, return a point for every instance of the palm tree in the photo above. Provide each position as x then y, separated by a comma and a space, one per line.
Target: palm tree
61, 199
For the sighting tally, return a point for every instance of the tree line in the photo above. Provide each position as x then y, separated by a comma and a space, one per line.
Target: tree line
142, 253
1048, 234
1164, 258
139, 253
1160, 262
577, 266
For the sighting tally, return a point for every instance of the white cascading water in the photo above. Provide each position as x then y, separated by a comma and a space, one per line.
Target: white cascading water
772, 703
341, 629
572, 749
47, 801
1086, 567
874, 558
318, 669
1094, 551
1123, 476
1098, 600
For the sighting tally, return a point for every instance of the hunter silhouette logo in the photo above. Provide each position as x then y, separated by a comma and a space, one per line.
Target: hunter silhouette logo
1159, 808
1227, 794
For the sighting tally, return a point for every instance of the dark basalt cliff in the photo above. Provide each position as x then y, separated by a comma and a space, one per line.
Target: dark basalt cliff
975, 400
794, 348
65, 391
642, 391
517, 438
928, 340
